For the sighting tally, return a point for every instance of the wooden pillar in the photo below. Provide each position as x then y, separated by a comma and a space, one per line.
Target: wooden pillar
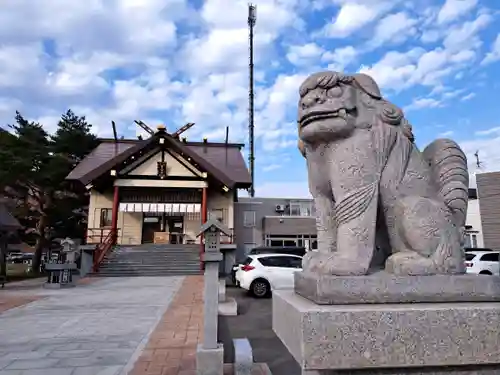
204, 212
114, 215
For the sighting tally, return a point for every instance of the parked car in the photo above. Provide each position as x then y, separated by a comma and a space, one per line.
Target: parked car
262, 273
483, 262
299, 251
295, 250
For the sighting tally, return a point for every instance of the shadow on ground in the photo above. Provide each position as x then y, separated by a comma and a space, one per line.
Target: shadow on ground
254, 321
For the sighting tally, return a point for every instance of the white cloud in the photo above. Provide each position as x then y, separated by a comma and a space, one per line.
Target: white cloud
491, 131
21, 65
398, 71
446, 134
285, 189
274, 129
394, 28
468, 97
340, 58
304, 54
465, 35
353, 15
453, 9
421, 103
494, 54
271, 167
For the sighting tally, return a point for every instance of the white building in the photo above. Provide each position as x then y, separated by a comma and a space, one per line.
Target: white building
474, 232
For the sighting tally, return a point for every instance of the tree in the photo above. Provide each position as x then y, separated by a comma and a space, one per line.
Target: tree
72, 141
33, 167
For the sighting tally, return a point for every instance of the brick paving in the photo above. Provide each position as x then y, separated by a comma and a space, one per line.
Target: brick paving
171, 349
87, 280
8, 302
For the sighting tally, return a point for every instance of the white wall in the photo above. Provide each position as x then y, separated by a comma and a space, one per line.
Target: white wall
474, 220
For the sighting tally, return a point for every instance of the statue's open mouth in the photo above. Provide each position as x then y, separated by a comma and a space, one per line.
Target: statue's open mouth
321, 115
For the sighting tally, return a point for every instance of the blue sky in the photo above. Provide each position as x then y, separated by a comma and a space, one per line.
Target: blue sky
178, 61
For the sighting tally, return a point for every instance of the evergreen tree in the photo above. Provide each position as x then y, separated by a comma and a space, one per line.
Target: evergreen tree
33, 167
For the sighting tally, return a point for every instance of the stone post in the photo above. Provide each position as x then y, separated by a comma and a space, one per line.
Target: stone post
211, 258
210, 354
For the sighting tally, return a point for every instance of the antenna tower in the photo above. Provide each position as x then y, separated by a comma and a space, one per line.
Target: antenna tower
252, 18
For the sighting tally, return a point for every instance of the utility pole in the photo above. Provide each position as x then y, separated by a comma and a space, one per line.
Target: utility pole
252, 18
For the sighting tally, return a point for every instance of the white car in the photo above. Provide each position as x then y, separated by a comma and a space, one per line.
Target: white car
261, 274
482, 262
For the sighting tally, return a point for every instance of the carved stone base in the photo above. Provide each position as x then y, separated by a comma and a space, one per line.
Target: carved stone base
423, 338
386, 288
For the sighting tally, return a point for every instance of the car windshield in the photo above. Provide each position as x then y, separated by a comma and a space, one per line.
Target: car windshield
469, 256
247, 261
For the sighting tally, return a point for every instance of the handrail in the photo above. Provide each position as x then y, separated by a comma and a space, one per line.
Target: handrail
97, 235
103, 248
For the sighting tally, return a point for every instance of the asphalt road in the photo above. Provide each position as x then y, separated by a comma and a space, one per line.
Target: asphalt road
254, 321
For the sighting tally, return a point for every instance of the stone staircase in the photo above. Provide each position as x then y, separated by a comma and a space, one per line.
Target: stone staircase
151, 260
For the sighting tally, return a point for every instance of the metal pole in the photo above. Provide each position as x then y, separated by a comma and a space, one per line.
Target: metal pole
252, 17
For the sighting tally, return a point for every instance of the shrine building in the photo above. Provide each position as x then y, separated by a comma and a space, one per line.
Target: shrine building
161, 189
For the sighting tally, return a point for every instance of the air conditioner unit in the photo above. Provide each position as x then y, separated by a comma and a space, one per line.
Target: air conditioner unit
280, 208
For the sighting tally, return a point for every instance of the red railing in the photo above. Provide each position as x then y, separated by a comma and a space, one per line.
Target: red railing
224, 239
97, 235
104, 248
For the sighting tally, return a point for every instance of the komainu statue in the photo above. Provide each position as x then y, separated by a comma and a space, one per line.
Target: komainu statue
374, 191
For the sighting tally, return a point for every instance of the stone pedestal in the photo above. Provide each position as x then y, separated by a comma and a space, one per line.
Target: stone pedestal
227, 305
210, 361
60, 275
452, 338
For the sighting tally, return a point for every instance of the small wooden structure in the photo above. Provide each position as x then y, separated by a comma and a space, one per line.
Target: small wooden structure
8, 224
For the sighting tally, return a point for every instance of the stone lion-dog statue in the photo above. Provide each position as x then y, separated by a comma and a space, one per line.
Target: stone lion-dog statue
374, 191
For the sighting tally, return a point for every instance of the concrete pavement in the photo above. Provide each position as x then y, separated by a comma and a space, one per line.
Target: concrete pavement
95, 329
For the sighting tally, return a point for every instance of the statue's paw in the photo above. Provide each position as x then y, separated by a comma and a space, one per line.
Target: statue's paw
410, 263
333, 264
311, 261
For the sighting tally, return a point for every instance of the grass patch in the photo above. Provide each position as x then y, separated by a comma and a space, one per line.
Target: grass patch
17, 269
20, 271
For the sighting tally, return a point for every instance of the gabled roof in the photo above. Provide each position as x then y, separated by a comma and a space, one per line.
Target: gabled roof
7, 221
223, 161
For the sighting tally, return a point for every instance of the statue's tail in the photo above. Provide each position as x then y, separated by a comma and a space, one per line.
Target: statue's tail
449, 173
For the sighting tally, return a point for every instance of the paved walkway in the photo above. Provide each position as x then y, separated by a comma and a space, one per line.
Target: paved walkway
99, 328
171, 349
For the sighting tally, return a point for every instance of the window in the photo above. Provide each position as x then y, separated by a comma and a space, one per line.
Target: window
281, 261
493, 257
106, 217
470, 240
294, 209
247, 261
469, 256
301, 208
295, 262
249, 219
306, 209
474, 240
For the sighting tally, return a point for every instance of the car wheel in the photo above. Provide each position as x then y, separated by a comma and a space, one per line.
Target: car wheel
485, 273
260, 288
